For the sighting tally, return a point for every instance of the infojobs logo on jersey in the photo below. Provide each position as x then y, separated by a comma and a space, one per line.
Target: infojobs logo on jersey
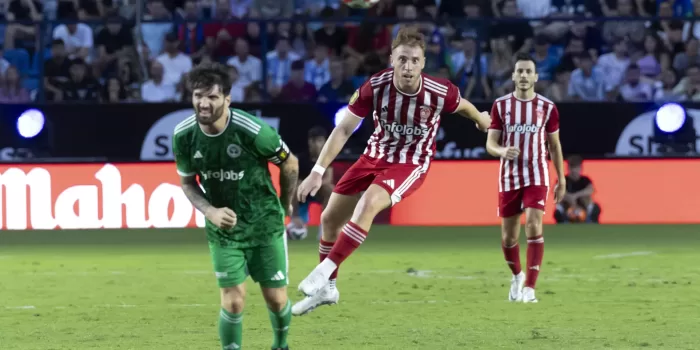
401, 129
223, 175
522, 129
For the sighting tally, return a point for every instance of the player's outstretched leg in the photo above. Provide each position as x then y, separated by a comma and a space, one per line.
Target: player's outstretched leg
510, 232
231, 317
334, 216
280, 310
535, 252
373, 201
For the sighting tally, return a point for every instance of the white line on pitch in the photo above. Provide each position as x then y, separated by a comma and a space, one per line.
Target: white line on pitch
25, 307
622, 255
386, 302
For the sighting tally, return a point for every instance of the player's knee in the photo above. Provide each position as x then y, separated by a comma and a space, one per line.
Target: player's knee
232, 299
276, 298
331, 225
372, 202
533, 224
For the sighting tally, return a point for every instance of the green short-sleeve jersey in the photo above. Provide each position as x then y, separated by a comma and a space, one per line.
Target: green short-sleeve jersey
233, 171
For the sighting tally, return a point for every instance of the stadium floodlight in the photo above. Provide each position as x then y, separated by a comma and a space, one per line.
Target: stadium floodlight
674, 130
340, 114
30, 123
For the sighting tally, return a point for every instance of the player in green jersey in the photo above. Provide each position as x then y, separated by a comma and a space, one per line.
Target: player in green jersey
229, 150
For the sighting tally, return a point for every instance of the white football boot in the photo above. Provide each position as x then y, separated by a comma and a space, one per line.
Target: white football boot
318, 278
327, 296
516, 287
529, 295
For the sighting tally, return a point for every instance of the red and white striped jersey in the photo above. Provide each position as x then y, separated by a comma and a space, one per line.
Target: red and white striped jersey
405, 125
523, 125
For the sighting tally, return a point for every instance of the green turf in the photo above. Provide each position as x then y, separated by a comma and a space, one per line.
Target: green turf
154, 289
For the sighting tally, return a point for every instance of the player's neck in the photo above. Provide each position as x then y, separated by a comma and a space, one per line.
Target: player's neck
218, 126
524, 95
411, 89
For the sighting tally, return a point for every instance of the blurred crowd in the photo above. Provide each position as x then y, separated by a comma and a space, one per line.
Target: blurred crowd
142, 50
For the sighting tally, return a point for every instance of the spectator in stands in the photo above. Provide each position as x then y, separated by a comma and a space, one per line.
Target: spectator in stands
588, 35
11, 90
298, 89
56, 71
237, 87
154, 32
191, 32
587, 82
500, 66
4, 64
81, 86
240, 8
407, 13
558, 90
331, 35
252, 37
629, 29
273, 8
23, 33
546, 59
338, 89
634, 89
175, 63
130, 78
114, 41
114, 91
519, 34
578, 204
157, 89
673, 37
654, 58
691, 28
689, 86
85, 9
253, 93
248, 66
301, 38
664, 89
690, 57
279, 66
614, 64
219, 35
464, 65
573, 50
77, 37
368, 38
317, 69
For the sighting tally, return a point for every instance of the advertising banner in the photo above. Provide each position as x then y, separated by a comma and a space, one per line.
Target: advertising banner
144, 195
141, 132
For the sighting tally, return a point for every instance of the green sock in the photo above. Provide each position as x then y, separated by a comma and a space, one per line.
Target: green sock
230, 330
280, 325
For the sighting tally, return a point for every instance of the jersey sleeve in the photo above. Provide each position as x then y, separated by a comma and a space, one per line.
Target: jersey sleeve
182, 158
452, 99
552, 125
362, 101
496, 122
269, 145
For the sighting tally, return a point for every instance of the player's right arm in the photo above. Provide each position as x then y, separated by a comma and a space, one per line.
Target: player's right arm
221, 217
361, 104
493, 140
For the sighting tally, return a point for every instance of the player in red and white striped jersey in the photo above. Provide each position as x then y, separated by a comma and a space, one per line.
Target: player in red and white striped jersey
406, 107
523, 123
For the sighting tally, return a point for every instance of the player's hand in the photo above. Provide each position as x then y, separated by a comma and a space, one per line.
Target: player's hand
510, 153
485, 122
223, 218
310, 185
559, 191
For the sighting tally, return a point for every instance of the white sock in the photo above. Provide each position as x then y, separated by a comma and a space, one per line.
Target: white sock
327, 266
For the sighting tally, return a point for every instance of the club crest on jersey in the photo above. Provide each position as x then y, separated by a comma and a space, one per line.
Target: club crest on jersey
540, 113
233, 150
354, 97
425, 111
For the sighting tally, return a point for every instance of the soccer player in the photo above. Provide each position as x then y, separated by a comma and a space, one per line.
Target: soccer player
406, 106
522, 124
229, 150
316, 139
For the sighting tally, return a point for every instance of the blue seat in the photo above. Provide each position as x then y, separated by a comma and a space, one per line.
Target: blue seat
38, 61
18, 58
30, 83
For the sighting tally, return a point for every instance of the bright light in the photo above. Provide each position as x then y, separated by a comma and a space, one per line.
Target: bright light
341, 113
30, 123
670, 117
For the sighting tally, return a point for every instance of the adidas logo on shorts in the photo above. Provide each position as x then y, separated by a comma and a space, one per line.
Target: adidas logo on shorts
279, 276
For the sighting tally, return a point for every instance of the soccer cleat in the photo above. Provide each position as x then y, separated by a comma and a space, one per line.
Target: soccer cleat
326, 296
529, 295
516, 287
285, 348
317, 279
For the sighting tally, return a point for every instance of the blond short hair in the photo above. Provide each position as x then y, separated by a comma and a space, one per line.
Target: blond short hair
410, 37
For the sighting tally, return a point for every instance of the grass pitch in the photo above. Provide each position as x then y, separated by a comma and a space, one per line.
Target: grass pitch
616, 287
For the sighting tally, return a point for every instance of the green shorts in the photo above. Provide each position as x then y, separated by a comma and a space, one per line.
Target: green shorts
267, 265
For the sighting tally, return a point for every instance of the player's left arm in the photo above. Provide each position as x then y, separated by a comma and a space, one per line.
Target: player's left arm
455, 104
555, 152
270, 146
